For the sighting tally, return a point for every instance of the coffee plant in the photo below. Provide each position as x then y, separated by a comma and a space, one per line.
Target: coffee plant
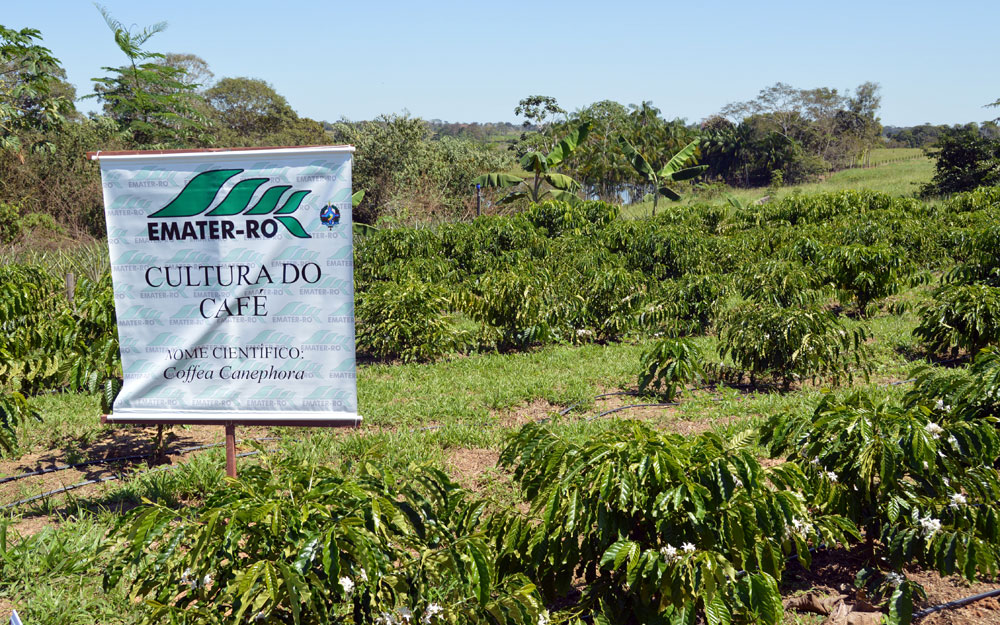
292, 543
686, 306
667, 365
865, 274
780, 283
792, 344
411, 321
960, 316
920, 481
661, 528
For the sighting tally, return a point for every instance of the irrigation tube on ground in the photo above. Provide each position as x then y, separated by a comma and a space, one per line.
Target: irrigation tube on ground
99, 480
958, 603
63, 467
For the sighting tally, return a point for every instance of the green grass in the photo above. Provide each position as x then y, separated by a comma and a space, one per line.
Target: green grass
909, 169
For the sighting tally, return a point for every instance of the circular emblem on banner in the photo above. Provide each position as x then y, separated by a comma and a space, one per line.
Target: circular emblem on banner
329, 215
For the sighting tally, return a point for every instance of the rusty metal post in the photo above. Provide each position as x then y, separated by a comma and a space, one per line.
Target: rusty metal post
231, 450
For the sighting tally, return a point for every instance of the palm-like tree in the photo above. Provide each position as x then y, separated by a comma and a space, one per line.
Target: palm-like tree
542, 166
673, 171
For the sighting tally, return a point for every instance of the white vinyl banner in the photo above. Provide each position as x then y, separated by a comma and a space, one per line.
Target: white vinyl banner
234, 288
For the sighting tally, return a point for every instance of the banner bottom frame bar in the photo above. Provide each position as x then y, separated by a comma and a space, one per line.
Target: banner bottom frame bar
341, 423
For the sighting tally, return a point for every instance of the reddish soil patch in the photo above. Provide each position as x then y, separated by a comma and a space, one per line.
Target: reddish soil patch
832, 573
468, 466
125, 441
6, 607
942, 590
530, 412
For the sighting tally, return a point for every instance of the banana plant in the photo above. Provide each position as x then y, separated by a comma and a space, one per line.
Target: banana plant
360, 228
673, 171
542, 166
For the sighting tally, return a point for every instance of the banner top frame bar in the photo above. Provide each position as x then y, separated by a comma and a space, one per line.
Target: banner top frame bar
201, 152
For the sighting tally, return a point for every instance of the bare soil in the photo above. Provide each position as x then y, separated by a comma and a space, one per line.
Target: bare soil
113, 443
832, 573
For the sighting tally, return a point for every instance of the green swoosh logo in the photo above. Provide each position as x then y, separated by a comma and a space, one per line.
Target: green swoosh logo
200, 192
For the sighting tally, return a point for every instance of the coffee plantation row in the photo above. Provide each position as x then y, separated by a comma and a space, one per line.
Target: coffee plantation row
630, 525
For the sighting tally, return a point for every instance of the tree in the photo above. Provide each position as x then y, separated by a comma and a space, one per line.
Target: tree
673, 171
32, 96
149, 98
538, 110
542, 166
598, 162
826, 124
540, 113
250, 108
195, 69
386, 149
965, 160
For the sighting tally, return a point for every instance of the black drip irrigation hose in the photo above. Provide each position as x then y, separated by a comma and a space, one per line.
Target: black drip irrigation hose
563, 413
620, 408
958, 603
99, 480
63, 467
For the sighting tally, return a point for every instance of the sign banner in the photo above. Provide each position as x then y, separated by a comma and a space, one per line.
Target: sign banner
234, 288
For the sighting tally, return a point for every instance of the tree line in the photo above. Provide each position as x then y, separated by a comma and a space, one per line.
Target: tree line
411, 170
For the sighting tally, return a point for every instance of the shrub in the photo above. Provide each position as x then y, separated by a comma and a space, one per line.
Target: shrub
688, 305
960, 316
656, 525
920, 481
489, 242
792, 343
669, 364
558, 218
302, 544
519, 306
409, 320
779, 283
865, 274
381, 251
654, 249
977, 251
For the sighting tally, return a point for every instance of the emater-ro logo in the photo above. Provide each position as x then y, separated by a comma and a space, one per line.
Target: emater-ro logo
172, 222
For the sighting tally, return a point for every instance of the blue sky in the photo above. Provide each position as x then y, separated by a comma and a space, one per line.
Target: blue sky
466, 61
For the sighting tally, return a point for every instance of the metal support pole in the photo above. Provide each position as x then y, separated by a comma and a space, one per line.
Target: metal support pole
477, 200
231, 450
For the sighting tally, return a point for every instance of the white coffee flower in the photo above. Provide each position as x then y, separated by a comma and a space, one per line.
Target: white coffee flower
205, 581
543, 618
432, 610
930, 526
669, 553
363, 575
814, 461
405, 614
801, 527
347, 584
830, 475
895, 579
934, 430
687, 548
385, 619
957, 500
